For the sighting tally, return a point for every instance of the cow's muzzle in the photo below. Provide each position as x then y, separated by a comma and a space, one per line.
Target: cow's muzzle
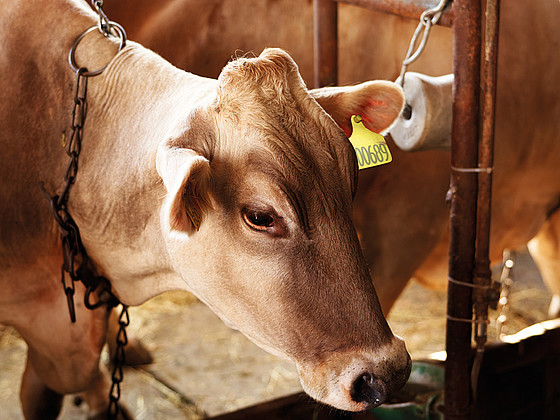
360, 379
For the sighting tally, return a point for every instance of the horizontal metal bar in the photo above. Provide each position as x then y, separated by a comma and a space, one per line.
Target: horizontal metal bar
405, 8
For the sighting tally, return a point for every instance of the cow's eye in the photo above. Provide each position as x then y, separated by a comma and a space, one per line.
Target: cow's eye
258, 220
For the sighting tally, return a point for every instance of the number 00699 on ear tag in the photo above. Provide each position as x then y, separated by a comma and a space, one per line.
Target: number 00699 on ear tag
371, 148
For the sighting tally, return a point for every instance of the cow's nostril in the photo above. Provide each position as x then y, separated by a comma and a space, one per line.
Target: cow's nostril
368, 389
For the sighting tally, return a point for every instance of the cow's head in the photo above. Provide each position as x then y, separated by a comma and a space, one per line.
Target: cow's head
258, 223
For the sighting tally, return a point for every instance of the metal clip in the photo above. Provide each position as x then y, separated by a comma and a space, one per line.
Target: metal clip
104, 23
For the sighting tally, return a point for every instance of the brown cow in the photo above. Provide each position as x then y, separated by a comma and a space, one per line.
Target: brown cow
400, 211
387, 195
238, 189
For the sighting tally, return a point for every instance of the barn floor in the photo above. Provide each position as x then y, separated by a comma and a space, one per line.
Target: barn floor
202, 368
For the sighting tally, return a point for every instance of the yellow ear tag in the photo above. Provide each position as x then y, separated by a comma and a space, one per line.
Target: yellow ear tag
371, 148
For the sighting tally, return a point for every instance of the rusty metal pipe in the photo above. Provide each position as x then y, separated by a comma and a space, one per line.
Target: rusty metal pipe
405, 8
462, 221
482, 275
325, 43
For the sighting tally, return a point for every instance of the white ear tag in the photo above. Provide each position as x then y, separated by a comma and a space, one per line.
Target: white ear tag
371, 148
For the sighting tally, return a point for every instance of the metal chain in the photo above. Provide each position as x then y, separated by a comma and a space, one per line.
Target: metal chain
74, 260
498, 298
428, 18
506, 281
104, 22
119, 361
75, 266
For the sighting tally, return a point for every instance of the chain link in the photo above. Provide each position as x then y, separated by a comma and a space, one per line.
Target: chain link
119, 361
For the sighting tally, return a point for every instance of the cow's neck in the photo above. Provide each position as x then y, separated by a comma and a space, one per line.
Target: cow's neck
132, 106
138, 102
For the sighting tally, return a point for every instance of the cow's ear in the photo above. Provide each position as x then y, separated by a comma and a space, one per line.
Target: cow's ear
378, 102
187, 178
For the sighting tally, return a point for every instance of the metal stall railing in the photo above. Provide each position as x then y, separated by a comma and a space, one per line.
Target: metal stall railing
470, 177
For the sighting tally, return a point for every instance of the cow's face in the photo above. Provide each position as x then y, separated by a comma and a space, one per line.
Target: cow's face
258, 224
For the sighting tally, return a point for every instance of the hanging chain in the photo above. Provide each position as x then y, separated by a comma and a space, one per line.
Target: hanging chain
119, 360
75, 259
76, 265
497, 298
428, 19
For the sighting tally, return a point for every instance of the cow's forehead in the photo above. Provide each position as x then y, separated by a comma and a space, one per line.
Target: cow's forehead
311, 175
265, 102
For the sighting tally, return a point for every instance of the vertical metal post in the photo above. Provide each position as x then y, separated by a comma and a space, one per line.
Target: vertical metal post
325, 42
462, 221
482, 275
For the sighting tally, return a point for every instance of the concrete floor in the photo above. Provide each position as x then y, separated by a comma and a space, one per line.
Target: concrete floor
202, 368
